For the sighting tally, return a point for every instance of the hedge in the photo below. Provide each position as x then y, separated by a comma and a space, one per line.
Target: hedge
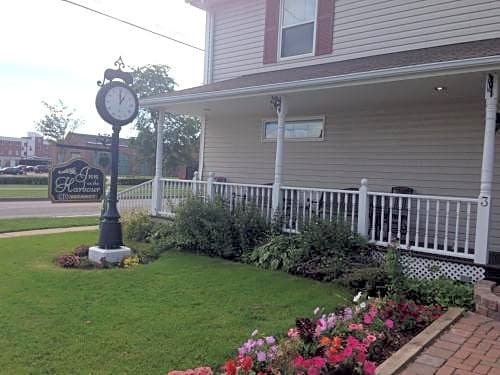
24, 180
132, 181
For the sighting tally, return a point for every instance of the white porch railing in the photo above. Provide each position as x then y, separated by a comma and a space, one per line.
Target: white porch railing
301, 205
175, 191
136, 197
425, 223
236, 195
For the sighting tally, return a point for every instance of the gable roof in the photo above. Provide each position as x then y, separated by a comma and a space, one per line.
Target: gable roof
313, 73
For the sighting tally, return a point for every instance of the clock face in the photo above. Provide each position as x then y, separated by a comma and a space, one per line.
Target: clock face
120, 103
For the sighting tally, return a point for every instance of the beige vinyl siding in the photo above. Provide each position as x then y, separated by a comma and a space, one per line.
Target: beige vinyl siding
435, 150
361, 28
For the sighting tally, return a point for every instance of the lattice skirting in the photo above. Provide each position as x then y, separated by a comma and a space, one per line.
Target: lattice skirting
429, 268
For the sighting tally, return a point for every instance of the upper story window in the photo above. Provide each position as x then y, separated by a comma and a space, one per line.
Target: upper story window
298, 27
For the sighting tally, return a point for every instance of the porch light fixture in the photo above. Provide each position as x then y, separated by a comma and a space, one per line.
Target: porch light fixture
440, 88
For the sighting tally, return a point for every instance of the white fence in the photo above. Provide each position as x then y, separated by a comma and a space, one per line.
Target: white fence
136, 197
431, 224
302, 205
175, 191
243, 195
424, 223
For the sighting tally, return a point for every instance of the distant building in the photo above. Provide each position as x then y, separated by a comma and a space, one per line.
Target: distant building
15, 151
95, 150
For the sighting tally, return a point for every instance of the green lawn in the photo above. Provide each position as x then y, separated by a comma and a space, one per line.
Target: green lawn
180, 311
31, 191
23, 191
29, 223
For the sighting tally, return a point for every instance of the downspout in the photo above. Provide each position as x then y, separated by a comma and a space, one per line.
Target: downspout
209, 39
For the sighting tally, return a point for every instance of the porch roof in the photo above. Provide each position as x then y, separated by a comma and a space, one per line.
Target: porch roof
462, 57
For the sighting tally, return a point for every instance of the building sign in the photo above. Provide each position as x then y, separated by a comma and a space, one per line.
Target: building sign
76, 181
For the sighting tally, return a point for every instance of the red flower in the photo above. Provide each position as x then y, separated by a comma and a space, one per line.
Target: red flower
246, 363
230, 367
369, 368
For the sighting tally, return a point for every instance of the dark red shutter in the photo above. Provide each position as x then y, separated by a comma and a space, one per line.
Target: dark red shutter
324, 31
271, 32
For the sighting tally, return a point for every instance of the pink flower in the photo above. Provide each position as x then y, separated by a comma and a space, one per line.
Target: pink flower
371, 338
367, 319
389, 323
369, 368
293, 332
355, 327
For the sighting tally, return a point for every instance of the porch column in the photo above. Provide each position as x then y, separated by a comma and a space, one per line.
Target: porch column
157, 190
281, 107
484, 207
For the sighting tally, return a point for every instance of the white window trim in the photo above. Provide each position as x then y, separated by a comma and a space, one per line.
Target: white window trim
280, 36
291, 119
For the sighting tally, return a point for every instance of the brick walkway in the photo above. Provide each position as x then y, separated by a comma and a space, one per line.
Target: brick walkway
471, 346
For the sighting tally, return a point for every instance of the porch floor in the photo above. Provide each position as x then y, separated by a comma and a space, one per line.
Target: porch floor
471, 346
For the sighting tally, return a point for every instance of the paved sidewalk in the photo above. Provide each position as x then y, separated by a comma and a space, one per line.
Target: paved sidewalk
471, 346
38, 232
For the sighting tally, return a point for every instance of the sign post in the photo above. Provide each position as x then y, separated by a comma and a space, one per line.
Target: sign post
118, 105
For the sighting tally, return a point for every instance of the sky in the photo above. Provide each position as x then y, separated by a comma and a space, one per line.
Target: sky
51, 50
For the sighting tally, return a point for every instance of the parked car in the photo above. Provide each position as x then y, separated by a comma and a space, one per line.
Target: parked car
41, 168
29, 168
11, 170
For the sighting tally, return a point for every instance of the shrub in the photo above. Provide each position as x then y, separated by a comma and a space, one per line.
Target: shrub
280, 253
249, 229
137, 225
442, 291
210, 228
326, 248
24, 180
68, 261
372, 280
132, 181
204, 227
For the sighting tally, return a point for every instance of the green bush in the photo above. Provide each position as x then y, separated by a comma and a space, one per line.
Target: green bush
442, 291
249, 229
204, 227
24, 180
210, 228
372, 279
137, 225
132, 181
326, 249
280, 253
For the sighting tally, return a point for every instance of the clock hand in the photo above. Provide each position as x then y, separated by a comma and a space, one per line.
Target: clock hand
121, 98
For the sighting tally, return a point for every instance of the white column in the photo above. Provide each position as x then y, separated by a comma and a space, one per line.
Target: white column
157, 189
281, 106
484, 207
364, 208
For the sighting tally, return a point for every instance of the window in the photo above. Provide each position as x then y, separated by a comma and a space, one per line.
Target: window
298, 27
300, 129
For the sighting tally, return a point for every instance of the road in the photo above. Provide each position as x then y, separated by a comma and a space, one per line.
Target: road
47, 209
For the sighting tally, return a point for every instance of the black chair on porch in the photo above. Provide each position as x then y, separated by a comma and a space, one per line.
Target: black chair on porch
395, 219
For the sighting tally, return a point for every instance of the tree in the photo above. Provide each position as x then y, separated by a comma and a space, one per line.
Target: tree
181, 133
57, 121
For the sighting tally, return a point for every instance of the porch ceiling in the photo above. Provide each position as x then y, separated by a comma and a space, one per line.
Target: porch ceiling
467, 86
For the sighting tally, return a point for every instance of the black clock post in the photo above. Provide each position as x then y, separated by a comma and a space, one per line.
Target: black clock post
117, 104
110, 234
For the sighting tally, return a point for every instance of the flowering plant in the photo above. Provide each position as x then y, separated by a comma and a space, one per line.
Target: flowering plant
346, 341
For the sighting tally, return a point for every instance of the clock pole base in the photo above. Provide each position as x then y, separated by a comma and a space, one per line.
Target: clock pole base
111, 255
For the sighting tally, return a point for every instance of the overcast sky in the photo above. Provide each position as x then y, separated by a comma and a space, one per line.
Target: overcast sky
52, 50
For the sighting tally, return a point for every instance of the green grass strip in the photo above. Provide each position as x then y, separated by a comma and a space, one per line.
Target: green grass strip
31, 223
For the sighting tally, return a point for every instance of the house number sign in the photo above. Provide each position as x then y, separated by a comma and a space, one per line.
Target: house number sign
484, 201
